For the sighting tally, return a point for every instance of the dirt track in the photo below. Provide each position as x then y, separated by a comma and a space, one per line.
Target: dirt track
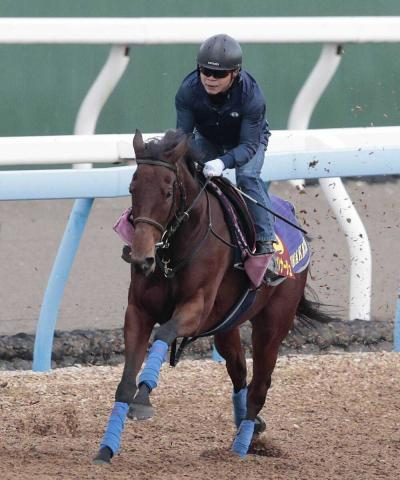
332, 416
328, 417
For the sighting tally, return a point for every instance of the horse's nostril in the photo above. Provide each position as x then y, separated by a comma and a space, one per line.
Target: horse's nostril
149, 261
143, 266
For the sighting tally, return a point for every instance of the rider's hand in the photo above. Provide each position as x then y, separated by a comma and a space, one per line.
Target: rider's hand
213, 168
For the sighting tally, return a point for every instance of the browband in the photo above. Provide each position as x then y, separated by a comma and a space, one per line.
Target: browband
159, 163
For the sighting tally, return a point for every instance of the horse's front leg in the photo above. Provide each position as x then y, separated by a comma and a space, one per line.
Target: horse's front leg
137, 330
183, 323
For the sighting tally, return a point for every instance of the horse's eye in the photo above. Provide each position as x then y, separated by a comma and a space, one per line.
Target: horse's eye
168, 194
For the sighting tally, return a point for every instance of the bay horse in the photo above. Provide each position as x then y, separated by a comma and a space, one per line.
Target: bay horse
171, 209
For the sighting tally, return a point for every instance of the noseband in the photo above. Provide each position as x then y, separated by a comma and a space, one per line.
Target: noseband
150, 221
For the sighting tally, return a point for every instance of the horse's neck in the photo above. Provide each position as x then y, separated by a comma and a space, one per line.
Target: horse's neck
198, 215
190, 184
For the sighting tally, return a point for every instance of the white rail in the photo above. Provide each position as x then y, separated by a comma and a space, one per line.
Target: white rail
78, 149
172, 30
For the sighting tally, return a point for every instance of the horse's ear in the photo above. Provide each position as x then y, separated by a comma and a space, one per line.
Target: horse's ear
138, 143
179, 151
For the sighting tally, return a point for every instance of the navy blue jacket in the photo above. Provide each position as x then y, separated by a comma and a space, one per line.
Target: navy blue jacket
237, 127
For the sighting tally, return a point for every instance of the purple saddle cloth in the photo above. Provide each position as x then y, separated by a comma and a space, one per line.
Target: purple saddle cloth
292, 251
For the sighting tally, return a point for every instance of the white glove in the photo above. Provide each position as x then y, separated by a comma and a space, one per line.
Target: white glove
213, 168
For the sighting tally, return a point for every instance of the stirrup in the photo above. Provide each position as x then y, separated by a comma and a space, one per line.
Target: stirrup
264, 247
271, 275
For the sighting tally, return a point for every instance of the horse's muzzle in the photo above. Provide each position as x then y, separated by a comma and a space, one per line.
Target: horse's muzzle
145, 266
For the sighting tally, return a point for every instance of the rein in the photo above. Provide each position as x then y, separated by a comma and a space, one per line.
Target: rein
163, 263
181, 215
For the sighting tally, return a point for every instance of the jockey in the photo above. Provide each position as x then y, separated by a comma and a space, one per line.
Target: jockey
224, 107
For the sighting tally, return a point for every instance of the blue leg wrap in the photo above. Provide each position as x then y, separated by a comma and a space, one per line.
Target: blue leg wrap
239, 401
115, 427
243, 438
155, 359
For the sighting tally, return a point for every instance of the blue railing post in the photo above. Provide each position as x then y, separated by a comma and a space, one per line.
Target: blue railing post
396, 332
56, 285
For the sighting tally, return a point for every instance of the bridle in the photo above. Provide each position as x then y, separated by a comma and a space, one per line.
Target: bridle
182, 213
182, 194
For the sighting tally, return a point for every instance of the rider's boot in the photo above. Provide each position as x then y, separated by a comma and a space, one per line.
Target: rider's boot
266, 247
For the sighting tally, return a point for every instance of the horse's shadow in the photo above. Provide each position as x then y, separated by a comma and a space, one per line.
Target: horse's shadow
261, 446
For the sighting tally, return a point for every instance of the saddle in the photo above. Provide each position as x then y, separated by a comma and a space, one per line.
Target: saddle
242, 232
292, 254
236, 214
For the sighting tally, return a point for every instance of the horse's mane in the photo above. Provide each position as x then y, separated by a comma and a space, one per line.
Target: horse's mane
156, 148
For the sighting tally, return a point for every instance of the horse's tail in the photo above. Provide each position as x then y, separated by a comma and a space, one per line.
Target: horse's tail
311, 312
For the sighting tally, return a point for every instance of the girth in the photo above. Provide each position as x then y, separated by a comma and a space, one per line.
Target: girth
230, 321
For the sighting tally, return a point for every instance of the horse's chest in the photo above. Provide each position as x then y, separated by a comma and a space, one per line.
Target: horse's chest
155, 301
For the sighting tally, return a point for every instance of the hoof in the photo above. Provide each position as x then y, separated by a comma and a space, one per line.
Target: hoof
103, 457
260, 426
138, 411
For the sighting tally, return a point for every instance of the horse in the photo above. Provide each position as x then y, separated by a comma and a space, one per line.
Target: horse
189, 292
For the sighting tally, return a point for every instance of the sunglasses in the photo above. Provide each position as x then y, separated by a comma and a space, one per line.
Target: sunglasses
208, 72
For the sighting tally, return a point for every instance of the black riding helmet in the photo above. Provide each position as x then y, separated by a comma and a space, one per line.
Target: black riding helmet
220, 52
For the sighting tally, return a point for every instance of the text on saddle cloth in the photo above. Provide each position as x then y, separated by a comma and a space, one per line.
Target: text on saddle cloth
292, 253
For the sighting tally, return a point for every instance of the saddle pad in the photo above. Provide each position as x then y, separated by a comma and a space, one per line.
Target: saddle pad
292, 251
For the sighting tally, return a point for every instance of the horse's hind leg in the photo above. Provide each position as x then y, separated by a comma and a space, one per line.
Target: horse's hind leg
230, 348
270, 327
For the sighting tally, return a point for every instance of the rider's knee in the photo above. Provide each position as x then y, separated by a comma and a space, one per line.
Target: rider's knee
247, 180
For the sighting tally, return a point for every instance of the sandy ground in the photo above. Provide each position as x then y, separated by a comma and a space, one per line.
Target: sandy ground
329, 417
95, 296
